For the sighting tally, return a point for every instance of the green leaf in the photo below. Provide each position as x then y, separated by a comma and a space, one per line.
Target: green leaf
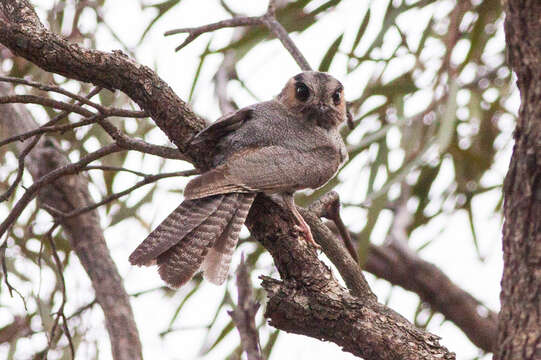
267, 349
182, 303
198, 71
446, 131
360, 32
329, 55
162, 8
226, 330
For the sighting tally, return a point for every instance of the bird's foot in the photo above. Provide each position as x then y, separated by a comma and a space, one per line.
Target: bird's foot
307, 235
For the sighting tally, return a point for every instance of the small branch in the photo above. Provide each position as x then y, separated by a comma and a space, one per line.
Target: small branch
20, 170
278, 30
50, 128
196, 31
40, 100
268, 20
339, 256
147, 180
328, 206
81, 99
244, 314
114, 168
11, 289
29, 147
135, 144
52, 88
60, 312
32, 191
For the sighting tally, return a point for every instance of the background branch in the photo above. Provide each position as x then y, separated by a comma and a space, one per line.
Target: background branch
84, 232
243, 314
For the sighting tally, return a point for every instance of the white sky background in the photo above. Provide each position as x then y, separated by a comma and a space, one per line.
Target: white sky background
265, 70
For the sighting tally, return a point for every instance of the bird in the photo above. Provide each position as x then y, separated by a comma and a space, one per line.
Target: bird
276, 147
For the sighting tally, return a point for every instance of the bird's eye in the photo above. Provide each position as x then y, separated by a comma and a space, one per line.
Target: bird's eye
336, 97
301, 92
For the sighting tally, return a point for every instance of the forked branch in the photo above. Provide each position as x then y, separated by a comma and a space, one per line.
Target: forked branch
268, 20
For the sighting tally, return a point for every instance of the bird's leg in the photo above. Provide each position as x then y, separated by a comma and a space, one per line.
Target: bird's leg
301, 225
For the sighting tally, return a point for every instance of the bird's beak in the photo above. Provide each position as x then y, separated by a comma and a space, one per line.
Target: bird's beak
322, 108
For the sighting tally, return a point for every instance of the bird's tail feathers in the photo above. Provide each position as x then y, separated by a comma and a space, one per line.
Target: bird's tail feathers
185, 218
178, 264
216, 264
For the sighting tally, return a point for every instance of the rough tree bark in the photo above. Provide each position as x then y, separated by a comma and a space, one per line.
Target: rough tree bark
84, 231
520, 315
308, 300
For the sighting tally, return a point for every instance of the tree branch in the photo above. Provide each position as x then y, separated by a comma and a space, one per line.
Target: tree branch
394, 263
244, 314
148, 179
308, 298
84, 233
268, 20
22, 33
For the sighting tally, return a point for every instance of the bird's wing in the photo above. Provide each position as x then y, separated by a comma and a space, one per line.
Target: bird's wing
223, 126
266, 169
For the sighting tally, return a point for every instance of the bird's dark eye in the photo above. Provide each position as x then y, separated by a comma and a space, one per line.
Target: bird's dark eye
301, 92
336, 97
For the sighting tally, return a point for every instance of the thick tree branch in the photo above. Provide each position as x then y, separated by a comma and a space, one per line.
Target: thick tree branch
436, 289
406, 269
520, 315
310, 301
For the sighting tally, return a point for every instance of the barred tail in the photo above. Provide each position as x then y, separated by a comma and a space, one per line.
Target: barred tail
178, 264
200, 231
188, 216
216, 264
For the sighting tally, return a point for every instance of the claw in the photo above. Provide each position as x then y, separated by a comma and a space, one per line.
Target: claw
301, 225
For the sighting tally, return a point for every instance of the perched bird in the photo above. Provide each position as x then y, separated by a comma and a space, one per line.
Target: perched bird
276, 147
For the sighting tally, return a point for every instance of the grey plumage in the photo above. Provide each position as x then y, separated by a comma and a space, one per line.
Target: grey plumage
275, 147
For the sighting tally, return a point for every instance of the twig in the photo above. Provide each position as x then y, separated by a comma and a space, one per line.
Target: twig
20, 170
278, 30
40, 100
52, 88
328, 206
135, 144
268, 20
11, 289
244, 314
109, 111
60, 312
26, 151
114, 168
339, 256
194, 32
147, 180
51, 128
72, 168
